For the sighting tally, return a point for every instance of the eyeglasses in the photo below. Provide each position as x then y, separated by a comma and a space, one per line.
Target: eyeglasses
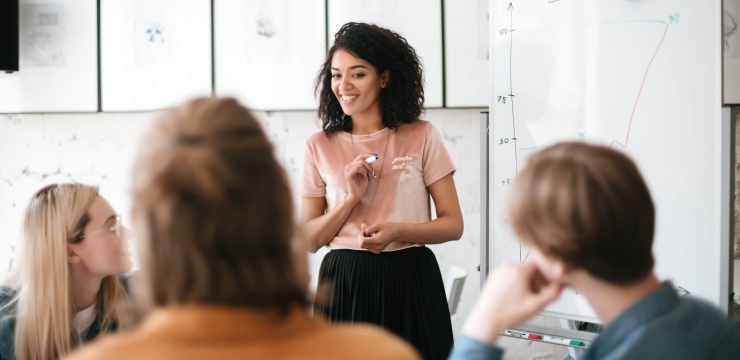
115, 228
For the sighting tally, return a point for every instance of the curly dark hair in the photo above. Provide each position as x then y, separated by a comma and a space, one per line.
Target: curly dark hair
401, 101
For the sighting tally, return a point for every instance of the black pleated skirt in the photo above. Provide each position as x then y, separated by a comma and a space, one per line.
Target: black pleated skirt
401, 291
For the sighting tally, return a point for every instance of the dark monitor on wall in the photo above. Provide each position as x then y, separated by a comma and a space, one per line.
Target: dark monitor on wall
9, 37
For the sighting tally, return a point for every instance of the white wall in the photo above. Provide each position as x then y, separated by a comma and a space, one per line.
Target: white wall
99, 149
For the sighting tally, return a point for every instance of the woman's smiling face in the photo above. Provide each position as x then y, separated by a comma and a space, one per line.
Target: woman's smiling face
356, 83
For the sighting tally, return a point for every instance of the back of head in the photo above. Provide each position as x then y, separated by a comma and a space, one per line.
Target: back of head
213, 211
589, 206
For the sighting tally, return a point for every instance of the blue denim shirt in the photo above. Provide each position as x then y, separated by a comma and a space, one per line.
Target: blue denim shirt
7, 320
660, 326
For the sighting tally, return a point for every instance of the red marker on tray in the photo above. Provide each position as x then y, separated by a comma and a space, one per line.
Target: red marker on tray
523, 335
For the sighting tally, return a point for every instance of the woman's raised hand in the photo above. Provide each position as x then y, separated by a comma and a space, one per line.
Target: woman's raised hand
357, 174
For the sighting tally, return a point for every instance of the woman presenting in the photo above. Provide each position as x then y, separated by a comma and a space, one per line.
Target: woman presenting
365, 191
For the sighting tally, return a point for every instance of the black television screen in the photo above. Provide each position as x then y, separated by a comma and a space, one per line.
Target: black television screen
9, 35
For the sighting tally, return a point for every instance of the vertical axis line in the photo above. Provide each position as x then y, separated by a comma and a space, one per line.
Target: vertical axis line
511, 86
511, 97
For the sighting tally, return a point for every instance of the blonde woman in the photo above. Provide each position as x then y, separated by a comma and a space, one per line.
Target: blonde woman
213, 216
64, 289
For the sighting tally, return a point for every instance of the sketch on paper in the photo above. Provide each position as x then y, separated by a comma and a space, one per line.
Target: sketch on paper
730, 23
42, 35
153, 34
268, 32
265, 25
483, 29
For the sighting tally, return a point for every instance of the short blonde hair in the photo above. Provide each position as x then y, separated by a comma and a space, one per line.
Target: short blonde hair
214, 211
589, 206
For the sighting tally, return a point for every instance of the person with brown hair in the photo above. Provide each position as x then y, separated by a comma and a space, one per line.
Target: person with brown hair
213, 217
366, 185
588, 219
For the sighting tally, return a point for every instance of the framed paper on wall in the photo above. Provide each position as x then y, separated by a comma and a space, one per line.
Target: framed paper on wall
154, 53
268, 52
419, 21
466, 53
58, 68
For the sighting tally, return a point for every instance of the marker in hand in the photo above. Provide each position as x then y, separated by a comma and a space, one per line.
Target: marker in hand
371, 160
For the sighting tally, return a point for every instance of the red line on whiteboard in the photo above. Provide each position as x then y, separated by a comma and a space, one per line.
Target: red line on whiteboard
627, 140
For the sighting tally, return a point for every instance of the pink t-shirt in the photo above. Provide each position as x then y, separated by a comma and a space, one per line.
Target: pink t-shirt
416, 158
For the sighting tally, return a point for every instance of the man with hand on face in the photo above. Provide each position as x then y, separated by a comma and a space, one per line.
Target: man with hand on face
587, 217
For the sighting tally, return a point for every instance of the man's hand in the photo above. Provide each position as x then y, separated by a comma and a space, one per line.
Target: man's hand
513, 293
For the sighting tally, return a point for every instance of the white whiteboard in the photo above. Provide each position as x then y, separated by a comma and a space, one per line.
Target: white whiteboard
269, 52
466, 53
641, 76
419, 21
58, 59
154, 54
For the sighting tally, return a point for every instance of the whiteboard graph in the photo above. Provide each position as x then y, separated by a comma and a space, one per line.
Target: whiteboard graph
620, 74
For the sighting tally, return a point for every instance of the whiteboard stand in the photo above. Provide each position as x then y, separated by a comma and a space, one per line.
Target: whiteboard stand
453, 287
573, 353
483, 266
727, 262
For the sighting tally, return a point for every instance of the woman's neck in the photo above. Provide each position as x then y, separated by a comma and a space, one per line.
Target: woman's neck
85, 287
609, 300
367, 123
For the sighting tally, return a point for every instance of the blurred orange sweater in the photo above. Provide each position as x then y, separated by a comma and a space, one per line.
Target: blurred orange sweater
200, 332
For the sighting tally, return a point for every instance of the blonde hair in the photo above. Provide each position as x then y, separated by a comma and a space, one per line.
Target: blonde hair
214, 211
589, 206
40, 279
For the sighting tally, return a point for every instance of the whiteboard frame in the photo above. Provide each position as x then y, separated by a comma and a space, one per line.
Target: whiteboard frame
728, 208
725, 152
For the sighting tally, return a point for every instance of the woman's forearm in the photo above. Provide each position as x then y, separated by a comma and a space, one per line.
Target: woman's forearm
321, 230
440, 230
449, 222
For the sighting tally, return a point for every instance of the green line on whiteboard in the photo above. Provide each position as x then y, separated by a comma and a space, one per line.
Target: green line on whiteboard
532, 148
594, 23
